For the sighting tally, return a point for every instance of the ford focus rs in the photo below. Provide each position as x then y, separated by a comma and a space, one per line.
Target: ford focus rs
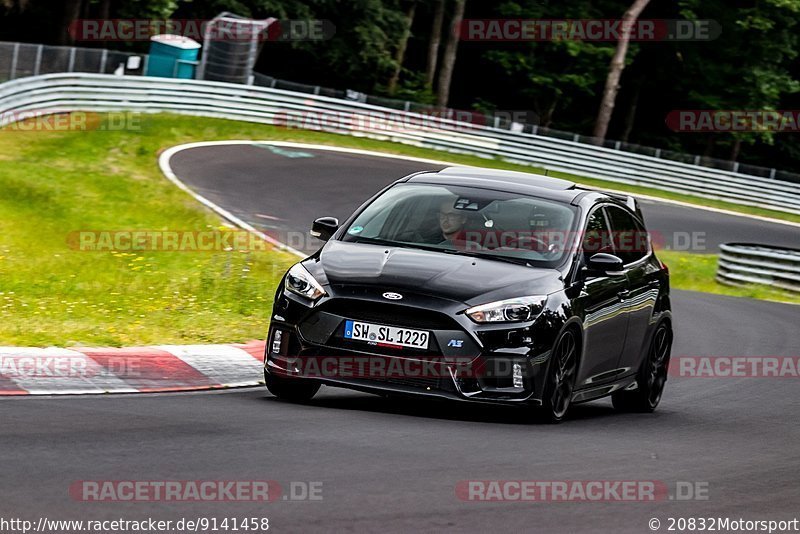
481, 286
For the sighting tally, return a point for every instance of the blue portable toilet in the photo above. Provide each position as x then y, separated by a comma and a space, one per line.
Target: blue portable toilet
172, 56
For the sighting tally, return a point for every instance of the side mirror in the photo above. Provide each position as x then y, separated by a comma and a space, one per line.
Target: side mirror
602, 264
324, 227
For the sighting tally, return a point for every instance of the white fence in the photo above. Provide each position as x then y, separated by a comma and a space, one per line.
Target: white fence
758, 264
96, 92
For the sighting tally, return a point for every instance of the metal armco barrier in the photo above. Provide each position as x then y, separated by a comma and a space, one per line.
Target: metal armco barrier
97, 92
741, 263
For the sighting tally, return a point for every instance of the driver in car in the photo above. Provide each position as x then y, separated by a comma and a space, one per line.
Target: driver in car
451, 222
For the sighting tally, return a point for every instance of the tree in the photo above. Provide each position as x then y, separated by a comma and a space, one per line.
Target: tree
557, 79
70, 13
433, 43
615, 70
450, 52
401, 49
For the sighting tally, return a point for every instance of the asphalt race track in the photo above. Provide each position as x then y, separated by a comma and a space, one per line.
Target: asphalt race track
394, 465
275, 190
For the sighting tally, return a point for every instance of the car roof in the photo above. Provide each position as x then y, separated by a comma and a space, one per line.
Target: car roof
500, 180
524, 183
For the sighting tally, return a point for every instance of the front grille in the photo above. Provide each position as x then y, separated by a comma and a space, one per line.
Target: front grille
414, 382
389, 314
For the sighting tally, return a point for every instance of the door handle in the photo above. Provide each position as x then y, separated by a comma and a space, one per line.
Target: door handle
623, 294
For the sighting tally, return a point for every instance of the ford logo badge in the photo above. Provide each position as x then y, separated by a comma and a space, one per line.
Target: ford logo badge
392, 296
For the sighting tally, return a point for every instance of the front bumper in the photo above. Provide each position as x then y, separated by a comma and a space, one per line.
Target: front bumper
503, 364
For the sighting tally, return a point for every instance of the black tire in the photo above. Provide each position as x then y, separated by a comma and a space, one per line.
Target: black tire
290, 389
651, 378
560, 382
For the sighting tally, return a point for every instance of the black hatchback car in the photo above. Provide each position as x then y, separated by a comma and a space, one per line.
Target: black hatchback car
483, 286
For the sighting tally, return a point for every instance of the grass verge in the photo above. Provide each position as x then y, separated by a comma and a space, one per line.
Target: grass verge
53, 184
56, 183
697, 272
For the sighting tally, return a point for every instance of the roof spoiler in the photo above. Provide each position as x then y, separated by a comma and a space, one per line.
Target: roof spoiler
629, 201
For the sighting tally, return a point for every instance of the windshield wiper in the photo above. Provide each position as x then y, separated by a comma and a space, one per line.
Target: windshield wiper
401, 244
495, 257
482, 255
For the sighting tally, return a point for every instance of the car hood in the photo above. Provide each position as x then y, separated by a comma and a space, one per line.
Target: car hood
456, 277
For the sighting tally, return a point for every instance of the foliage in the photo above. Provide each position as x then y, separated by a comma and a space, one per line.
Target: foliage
752, 65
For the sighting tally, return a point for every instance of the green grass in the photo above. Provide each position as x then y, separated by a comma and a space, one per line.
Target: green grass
697, 272
54, 183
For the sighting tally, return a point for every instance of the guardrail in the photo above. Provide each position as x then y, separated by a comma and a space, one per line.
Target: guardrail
742, 263
96, 92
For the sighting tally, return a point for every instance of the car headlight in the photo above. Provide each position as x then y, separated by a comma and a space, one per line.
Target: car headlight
300, 282
508, 311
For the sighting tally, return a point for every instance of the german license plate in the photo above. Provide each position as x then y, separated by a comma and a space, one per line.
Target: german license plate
386, 335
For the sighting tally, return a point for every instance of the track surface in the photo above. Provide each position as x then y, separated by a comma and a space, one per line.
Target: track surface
391, 465
277, 194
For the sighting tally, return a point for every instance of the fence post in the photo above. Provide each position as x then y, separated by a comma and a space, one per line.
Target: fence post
14, 60
71, 59
103, 60
38, 64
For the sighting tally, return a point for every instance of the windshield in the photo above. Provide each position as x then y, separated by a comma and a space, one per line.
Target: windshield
465, 220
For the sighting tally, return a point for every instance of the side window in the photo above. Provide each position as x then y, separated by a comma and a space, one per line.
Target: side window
597, 237
629, 238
